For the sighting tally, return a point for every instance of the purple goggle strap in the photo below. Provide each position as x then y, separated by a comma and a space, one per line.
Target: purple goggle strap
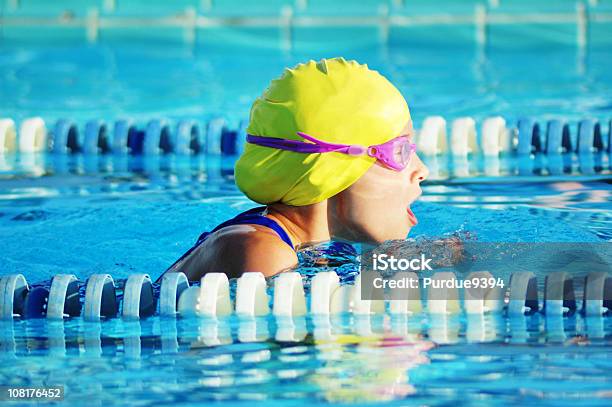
301, 147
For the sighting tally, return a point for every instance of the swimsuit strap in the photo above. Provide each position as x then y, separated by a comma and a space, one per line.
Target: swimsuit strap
253, 217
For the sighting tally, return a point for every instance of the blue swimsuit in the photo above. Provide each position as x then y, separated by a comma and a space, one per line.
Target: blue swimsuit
253, 216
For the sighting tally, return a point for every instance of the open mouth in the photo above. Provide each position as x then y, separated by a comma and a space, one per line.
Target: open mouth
411, 216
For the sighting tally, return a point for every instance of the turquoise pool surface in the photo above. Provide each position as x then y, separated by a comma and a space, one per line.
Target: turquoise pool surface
84, 215
155, 80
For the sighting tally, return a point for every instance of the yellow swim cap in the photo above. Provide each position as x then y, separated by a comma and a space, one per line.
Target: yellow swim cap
333, 100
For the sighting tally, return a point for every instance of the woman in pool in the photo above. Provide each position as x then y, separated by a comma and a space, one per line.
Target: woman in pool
329, 152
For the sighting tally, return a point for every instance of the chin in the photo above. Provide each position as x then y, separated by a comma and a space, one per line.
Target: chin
395, 234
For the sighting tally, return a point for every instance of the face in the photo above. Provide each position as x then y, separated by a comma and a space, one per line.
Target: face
377, 207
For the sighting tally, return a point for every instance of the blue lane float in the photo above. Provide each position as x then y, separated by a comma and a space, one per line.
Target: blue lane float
528, 137
228, 141
65, 137
188, 138
216, 137
609, 142
35, 305
557, 137
124, 131
95, 140
589, 137
214, 132
158, 138
136, 141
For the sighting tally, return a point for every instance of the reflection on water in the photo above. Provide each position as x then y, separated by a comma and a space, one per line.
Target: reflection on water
193, 177
342, 359
216, 168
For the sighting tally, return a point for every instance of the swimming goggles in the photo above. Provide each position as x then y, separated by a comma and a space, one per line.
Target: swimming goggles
394, 154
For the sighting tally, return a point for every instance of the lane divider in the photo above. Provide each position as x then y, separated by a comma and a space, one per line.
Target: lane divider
160, 136
33, 135
64, 297
138, 298
100, 298
8, 136
252, 300
431, 139
13, 290
172, 286
327, 297
463, 137
496, 137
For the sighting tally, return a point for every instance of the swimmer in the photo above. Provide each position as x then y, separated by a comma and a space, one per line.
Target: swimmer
329, 155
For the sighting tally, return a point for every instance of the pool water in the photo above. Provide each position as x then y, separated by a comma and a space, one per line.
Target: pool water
110, 81
73, 214
120, 223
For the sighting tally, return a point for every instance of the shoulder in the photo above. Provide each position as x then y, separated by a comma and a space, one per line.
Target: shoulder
242, 248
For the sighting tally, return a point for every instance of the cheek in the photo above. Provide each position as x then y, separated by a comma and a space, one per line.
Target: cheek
374, 208
388, 216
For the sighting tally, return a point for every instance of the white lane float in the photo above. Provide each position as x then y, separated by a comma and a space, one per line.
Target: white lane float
252, 300
443, 294
100, 298
33, 135
495, 136
523, 294
13, 291
64, 297
597, 298
189, 302
289, 298
215, 295
406, 300
484, 298
172, 286
367, 298
322, 287
431, 138
559, 297
8, 136
210, 299
138, 298
463, 137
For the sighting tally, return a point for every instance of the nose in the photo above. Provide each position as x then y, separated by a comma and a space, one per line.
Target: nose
420, 171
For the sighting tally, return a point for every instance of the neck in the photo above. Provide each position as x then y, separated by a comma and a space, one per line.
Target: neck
304, 224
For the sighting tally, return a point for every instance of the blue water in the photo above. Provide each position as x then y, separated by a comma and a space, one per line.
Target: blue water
73, 214
145, 82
